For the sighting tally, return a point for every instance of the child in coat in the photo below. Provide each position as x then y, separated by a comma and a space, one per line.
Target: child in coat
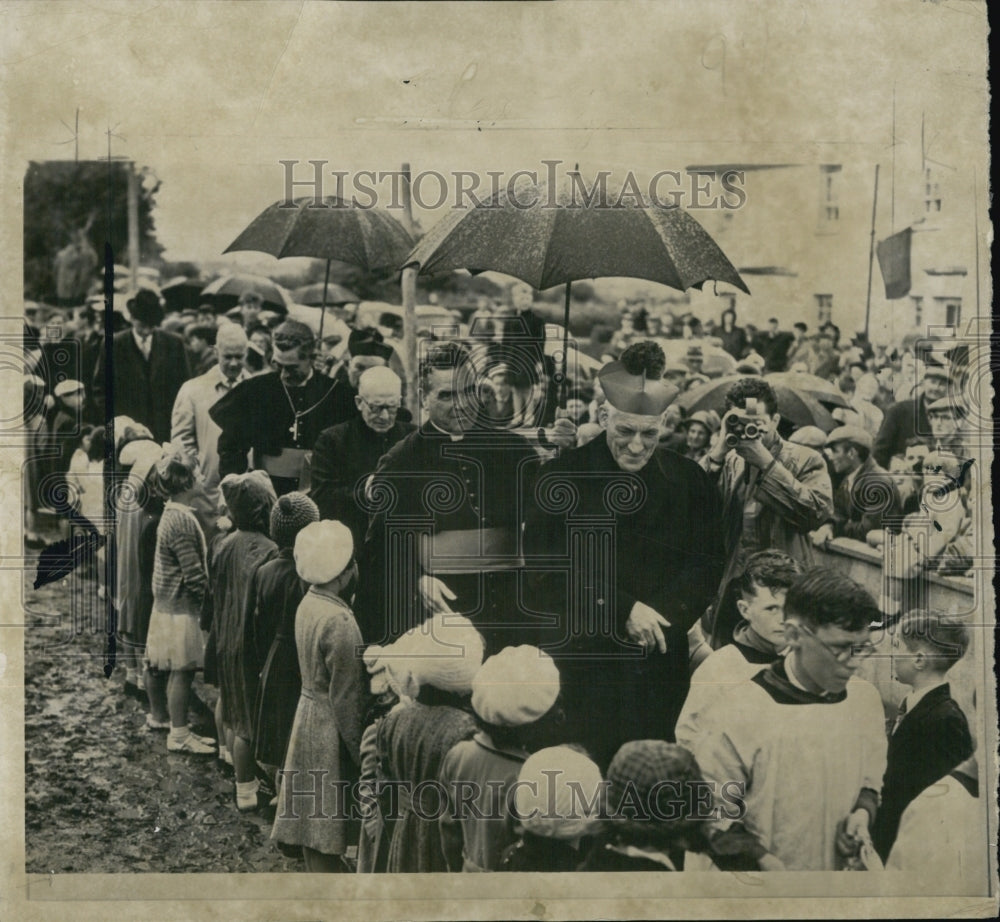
515, 699
314, 810
931, 734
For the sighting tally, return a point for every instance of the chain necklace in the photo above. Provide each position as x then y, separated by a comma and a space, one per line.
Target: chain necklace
294, 427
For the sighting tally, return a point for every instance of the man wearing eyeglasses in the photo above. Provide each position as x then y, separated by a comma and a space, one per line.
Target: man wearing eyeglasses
804, 739
346, 454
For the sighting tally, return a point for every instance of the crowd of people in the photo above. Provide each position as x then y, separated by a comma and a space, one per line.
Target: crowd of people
539, 624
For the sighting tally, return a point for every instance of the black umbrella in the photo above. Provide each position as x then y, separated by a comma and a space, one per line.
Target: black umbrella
226, 290
369, 238
551, 238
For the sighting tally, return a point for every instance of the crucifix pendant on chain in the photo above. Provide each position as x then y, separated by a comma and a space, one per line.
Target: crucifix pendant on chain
294, 429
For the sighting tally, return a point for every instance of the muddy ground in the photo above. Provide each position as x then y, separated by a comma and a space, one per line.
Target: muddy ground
103, 795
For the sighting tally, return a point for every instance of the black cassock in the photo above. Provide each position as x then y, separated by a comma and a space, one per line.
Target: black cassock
597, 540
262, 415
451, 509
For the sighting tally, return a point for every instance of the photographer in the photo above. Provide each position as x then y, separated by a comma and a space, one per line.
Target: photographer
773, 492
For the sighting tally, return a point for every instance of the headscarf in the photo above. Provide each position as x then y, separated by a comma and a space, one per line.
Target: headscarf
557, 795
249, 499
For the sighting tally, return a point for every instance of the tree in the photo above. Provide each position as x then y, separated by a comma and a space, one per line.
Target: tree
62, 198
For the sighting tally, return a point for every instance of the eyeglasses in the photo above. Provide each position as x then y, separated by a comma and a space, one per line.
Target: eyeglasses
842, 652
379, 408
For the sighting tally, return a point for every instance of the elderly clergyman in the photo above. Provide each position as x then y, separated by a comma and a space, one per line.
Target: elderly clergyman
639, 527
347, 453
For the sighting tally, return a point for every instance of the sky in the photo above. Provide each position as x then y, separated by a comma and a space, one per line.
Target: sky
212, 96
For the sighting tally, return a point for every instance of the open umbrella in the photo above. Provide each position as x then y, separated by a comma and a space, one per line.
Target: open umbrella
369, 238
716, 361
798, 407
823, 391
552, 237
226, 290
313, 295
182, 293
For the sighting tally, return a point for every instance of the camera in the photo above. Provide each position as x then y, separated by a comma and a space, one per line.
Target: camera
743, 424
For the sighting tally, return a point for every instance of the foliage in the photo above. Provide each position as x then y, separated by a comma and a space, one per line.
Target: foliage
60, 197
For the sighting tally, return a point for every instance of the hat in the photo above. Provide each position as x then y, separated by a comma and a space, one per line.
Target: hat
145, 306
517, 686
810, 436
557, 794
140, 456
852, 434
935, 369
635, 393
676, 368
64, 388
445, 652
694, 352
642, 764
291, 513
368, 341
708, 418
942, 405
249, 498
322, 551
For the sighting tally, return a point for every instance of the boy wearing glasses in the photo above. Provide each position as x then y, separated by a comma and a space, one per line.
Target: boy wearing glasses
804, 737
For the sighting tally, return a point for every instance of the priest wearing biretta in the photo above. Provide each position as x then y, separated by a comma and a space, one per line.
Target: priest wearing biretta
631, 539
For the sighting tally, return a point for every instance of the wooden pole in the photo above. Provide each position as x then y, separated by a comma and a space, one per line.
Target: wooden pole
564, 395
871, 256
133, 225
322, 314
408, 290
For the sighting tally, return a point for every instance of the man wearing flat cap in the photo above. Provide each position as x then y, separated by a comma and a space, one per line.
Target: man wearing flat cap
908, 418
149, 366
865, 495
277, 415
638, 530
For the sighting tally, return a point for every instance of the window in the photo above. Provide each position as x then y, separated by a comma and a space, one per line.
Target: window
829, 206
824, 307
951, 308
918, 310
932, 192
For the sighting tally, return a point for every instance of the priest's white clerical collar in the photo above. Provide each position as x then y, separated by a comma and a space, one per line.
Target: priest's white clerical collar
454, 436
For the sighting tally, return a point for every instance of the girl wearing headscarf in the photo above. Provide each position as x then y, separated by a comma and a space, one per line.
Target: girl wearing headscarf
434, 664
273, 664
556, 807
249, 499
175, 643
323, 751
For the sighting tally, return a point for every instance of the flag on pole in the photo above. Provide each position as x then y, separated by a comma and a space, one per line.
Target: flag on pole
894, 262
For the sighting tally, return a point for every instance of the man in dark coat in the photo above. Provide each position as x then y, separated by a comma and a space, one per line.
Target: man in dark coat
277, 415
366, 348
446, 516
865, 495
773, 344
149, 367
347, 453
639, 530
908, 418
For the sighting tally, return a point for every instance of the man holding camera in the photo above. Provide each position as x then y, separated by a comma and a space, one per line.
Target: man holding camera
773, 492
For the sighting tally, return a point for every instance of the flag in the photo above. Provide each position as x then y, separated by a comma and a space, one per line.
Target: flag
894, 261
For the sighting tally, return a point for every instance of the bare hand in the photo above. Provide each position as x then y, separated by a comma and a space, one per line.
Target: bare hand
770, 862
435, 595
645, 626
754, 453
850, 832
822, 534
562, 432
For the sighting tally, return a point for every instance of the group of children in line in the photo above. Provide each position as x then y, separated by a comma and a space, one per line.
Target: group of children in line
420, 756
